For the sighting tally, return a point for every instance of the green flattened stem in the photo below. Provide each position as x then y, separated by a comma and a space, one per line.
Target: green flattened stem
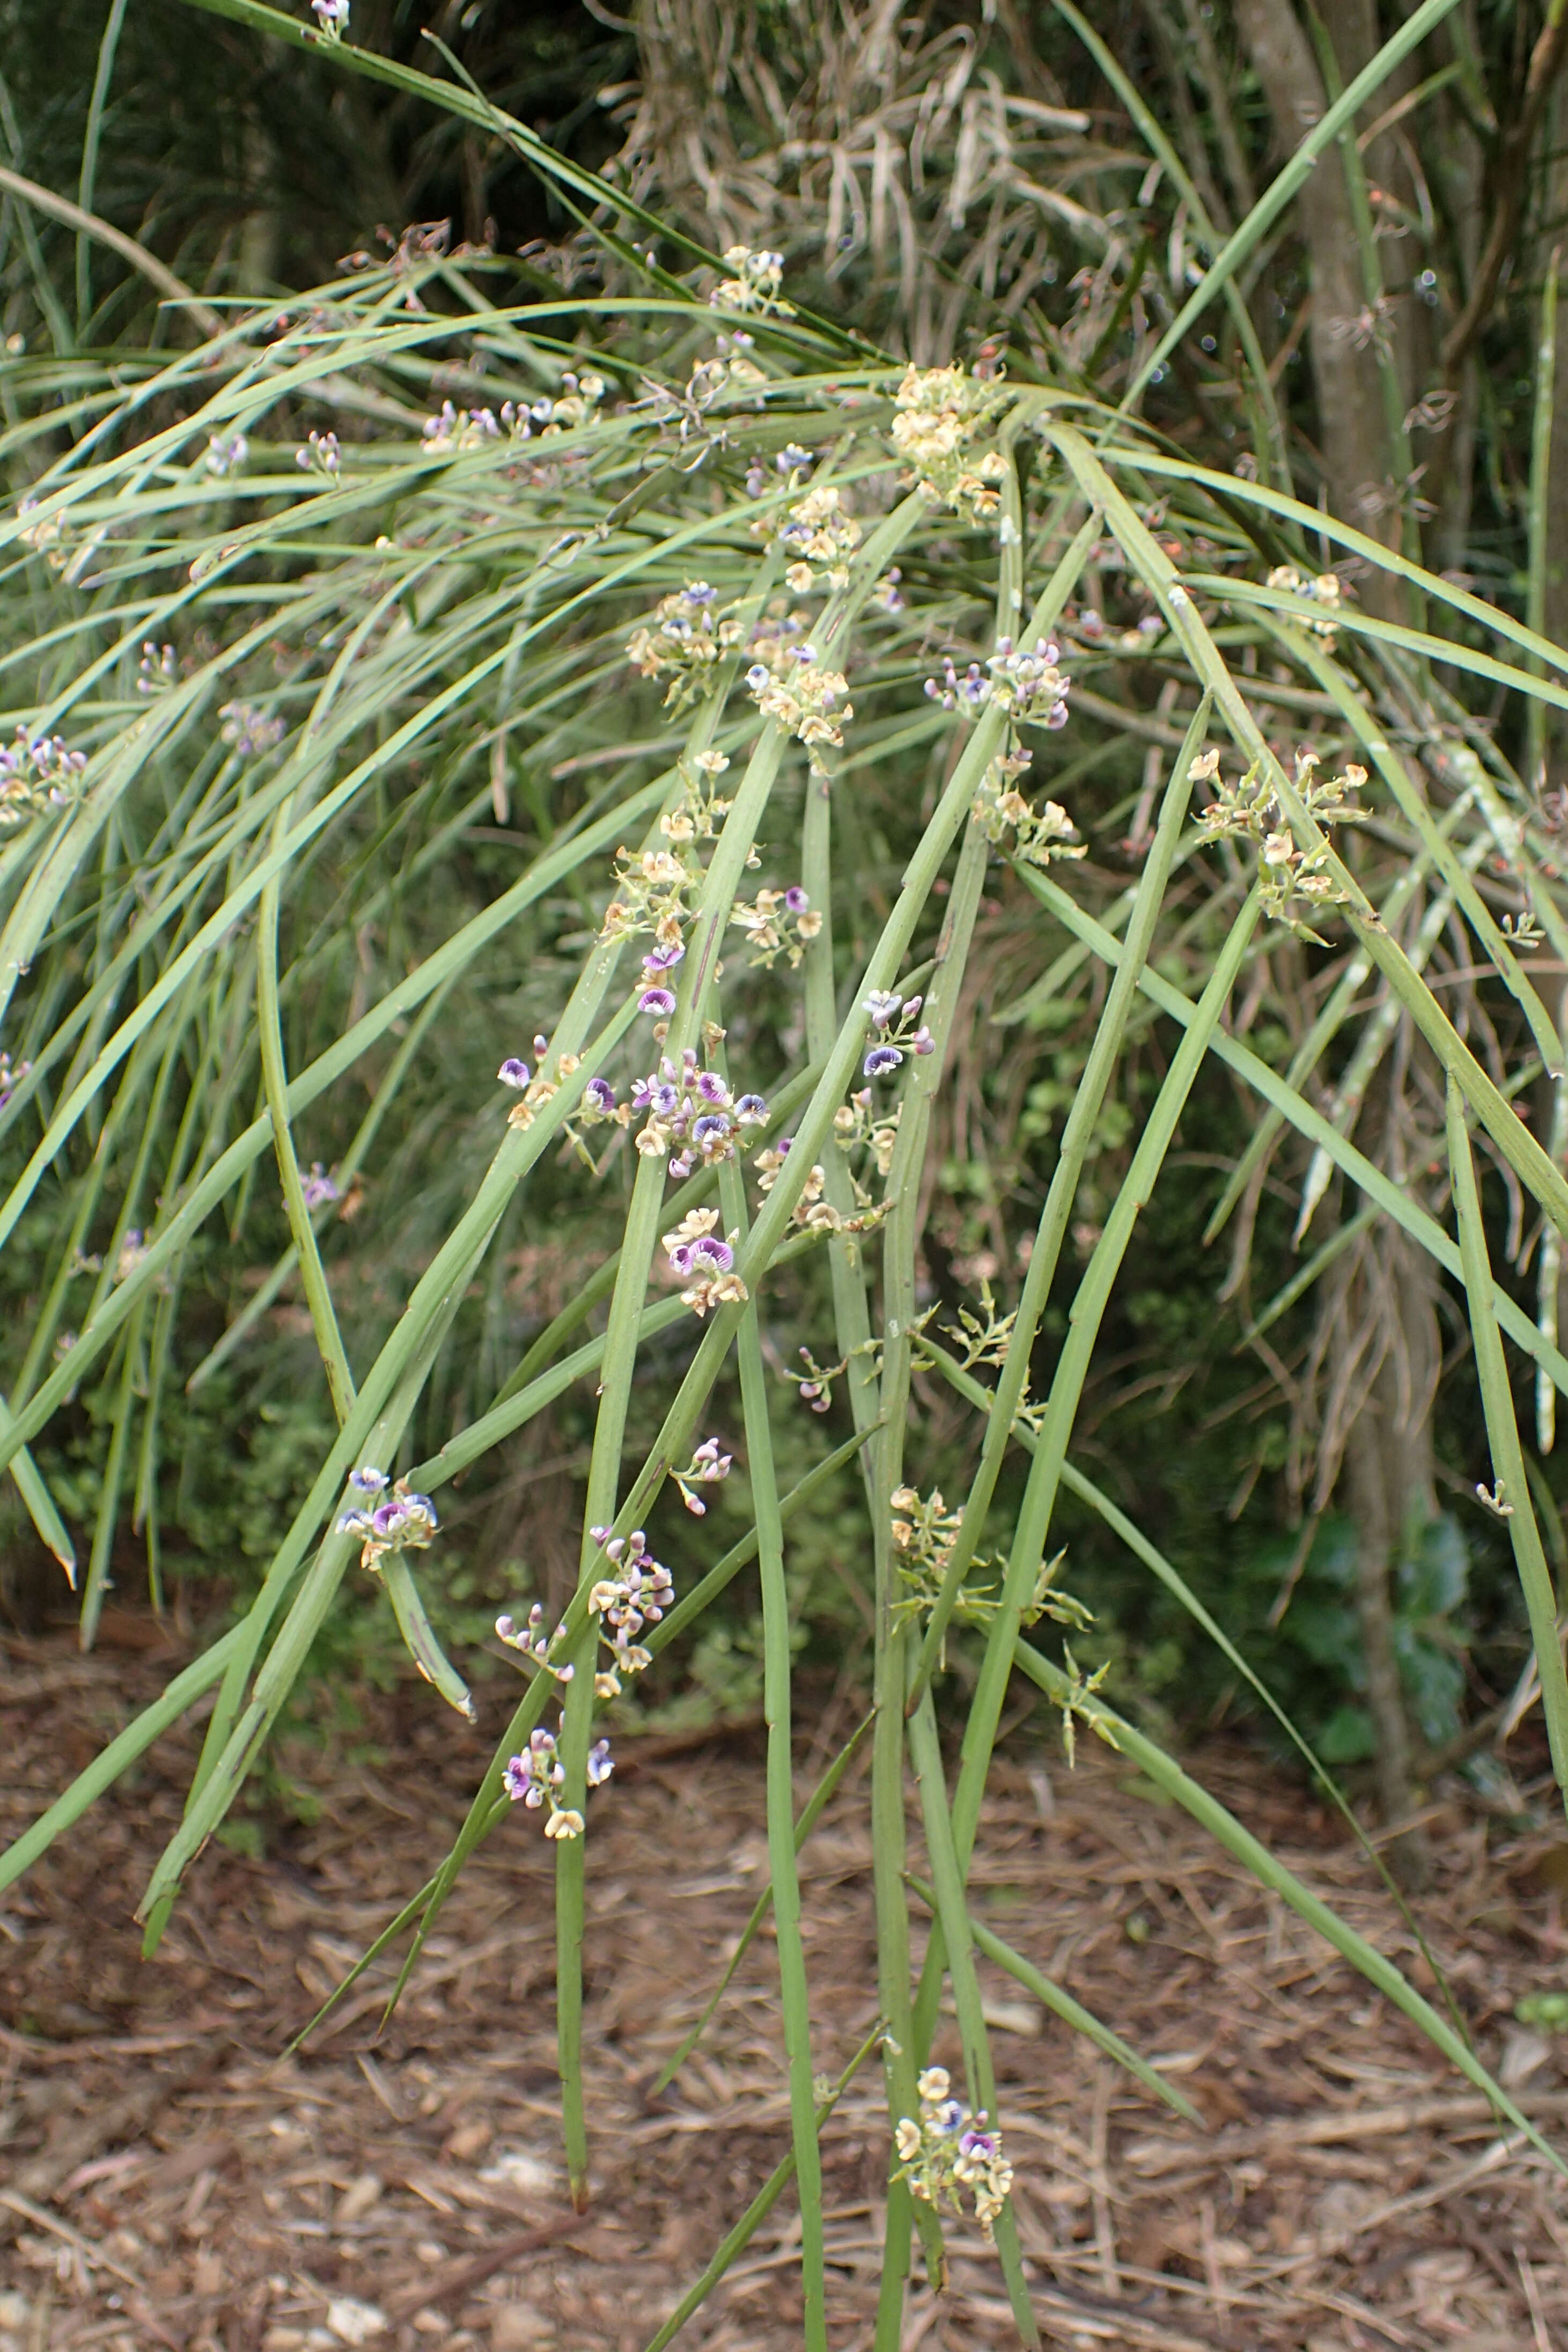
793, 1988
380, 1413
423, 1905
1051, 1995
811, 1812
1388, 1196
1510, 1495
1524, 1155
167, 1244
756, 2212
1539, 511
118, 1756
1077, 1135
1088, 1309
981, 2077
275, 1079
1255, 1857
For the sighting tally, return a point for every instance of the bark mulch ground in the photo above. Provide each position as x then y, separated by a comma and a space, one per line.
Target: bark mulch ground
167, 2178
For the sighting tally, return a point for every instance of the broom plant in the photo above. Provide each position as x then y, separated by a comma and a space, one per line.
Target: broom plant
597, 736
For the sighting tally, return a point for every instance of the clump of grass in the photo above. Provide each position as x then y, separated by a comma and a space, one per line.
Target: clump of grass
297, 620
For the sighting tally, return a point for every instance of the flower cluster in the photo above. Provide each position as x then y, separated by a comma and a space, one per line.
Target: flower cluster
683, 641
225, 455
533, 1777
941, 414
650, 896
797, 690
858, 1124
1324, 591
1092, 628
404, 1522
474, 429
754, 284
730, 368
924, 1535
157, 669
701, 1258
535, 1090
949, 2150
703, 807
453, 429
53, 538
1037, 835
790, 461
1251, 808
250, 730
318, 1189
322, 454
38, 776
776, 923
636, 1595
892, 1033
1029, 687
816, 1382
694, 1111
816, 532
535, 1642
707, 1468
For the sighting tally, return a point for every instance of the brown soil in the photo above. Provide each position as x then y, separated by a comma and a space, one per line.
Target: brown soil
168, 2178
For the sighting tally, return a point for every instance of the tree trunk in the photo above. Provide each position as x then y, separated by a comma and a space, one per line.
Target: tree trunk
1392, 1494
1352, 424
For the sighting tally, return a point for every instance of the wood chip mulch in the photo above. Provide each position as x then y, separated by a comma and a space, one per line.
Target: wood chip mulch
167, 2178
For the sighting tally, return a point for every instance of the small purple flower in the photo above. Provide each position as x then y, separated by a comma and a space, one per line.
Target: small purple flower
795, 898
949, 2116
658, 1000
354, 1523
318, 1188
601, 1094
388, 1517
681, 1260
712, 1128
665, 1099
517, 1780
711, 1251
712, 1088
680, 1166
600, 1764
513, 1073
757, 676
879, 1006
659, 960
923, 1042
697, 592
367, 1481
791, 458
882, 1061
752, 1111
977, 2143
